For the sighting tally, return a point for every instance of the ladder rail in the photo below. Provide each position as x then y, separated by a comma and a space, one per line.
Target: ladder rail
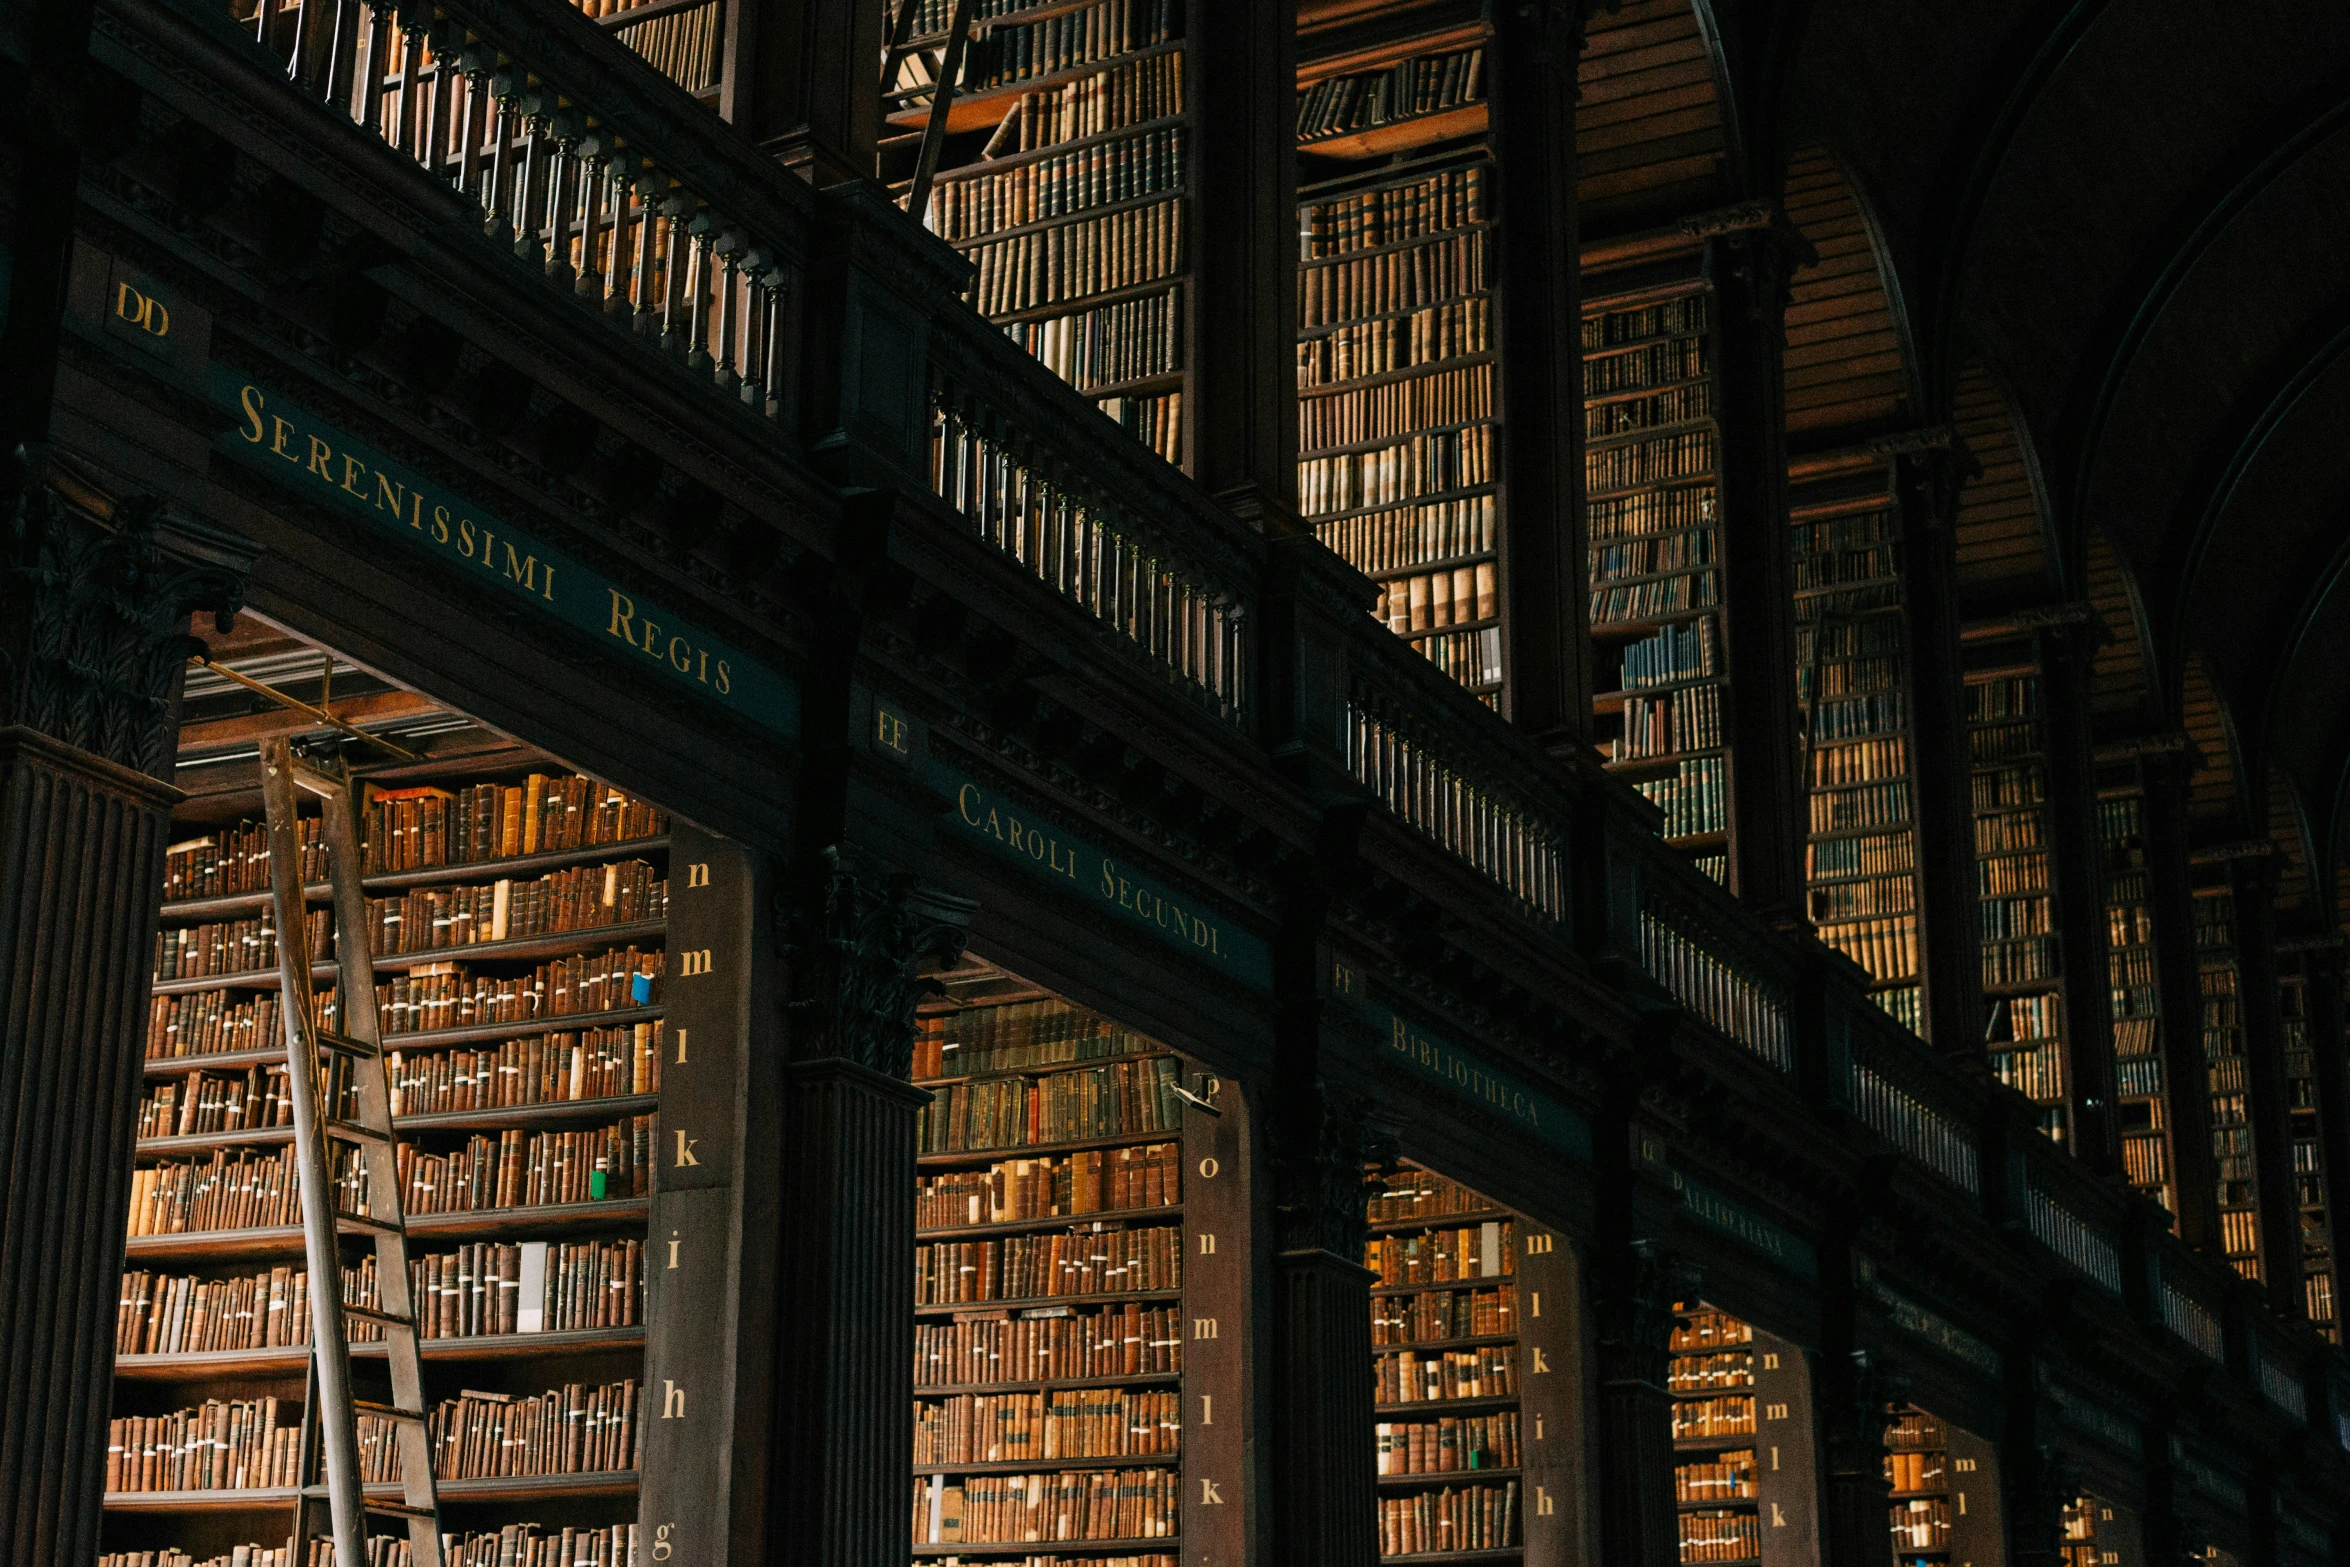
330, 1415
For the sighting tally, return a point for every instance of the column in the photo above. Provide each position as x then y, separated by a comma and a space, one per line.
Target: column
1854, 1389
2186, 1077
93, 624
1540, 333
1635, 1283
1325, 1501
2034, 1479
844, 1304
803, 77
1750, 271
2331, 1053
2254, 881
1242, 410
2077, 861
1926, 486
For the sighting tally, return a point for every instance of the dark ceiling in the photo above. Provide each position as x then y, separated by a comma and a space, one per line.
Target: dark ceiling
2136, 215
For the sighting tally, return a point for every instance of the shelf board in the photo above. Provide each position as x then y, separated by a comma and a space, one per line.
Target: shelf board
1718, 839
1499, 1553
422, 1039
930, 1161
553, 1112
1468, 1341
1448, 1406
1603, 702
1013, 160
555, 1219
1158, 1543
288, 1360
1361, 383
1373, 443
991, 106
1122, 1217
1422, 130
1080, 304
1050, 1384
1444, 1477
1662, 763
1014, 1466
1625, 630
1403, 503
1045, 1302
1046, 1069
1397, 1291
1154, 198
1318, 329
1712, 1444
556, 944
530, 1488
1442, 1221
470, 873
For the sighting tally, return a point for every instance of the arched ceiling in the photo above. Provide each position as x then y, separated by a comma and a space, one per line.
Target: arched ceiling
2133, 214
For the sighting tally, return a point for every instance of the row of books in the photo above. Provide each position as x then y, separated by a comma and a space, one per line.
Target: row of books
232, 946
983, 1428
1132, 94
515, 1545
2139, 1078
1435, 600
1690, 1375
1730, 1480
1383, 541
1651, 554
1922, 1524
1835, 568
449, 995
1108, 345
2036, 1072
1728, 1414
556, 1068
1883, 854
1720, 1537
231, 1191
1670, 654
1870, 805
235, 860
1649, 462
1849, 900
1876, 533
2007, 918
1847, 717
1427, 336
1093, 1180
413, 829
681, 45
1676, 509
1679, 317
1471, 657
1155, 421
1410, 1377
1471, 1518
543, 1169
1624, 604
1413, 277
1105, 1101
573, 1429
584, 897
1657, 364
2129, 930
1432, 1316
1990, 743
1444, 1256
986, 202
1421, 464
1430, 84
2003, 871
1456, 1442
1101, 1504
1887, 948
1408, 1195
1685, 403
1861, 761
217, 1102
1049, 1343
1011, 52
2008, 697
1442, 202
1689, 719
1018, 1036
158, 1314
2020, 962
1822, 642
1097, 1259
1462, 395
1915, 1471
1705, 1329
1124, 248
1695, 797
222, 1444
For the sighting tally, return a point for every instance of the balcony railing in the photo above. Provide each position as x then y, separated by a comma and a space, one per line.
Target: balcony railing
2073, 1238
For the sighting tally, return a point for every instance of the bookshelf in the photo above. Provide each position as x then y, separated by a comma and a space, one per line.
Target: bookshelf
1742, 1469
2139, 1088
1068, 1284
2310, 1177
1399, 411
2023, 973
1917, 1467
1065, 180
518, 912
1852, 679
1651, 475
2219, 980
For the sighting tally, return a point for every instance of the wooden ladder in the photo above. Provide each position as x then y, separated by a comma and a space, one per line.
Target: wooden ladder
342, 1101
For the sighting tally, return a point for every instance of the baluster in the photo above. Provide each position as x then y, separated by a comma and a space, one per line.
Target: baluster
564, 128
529, 182
648, 237
770, 339
374, 67
476, 126
500, 181
698, 292
593, 172
729, 248
403, 134
673, 275
264, 12
446, 41
615, 287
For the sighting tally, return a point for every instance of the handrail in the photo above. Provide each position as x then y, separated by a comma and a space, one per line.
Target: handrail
579, 159
1038, 472
1911, 1098
1713, 957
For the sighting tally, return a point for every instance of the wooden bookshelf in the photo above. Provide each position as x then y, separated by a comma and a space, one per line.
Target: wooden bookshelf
1917, 1466
2220, 980
2015, 847
1652, 475
2311, 1179
1742, 1486
2148, 1158
1092, 1167
1852, 678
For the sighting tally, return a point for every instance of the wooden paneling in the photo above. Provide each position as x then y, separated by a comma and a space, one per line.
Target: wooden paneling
2284, 825
2121, 689
1845, 366
2211, 793
2003, 556
1648, 129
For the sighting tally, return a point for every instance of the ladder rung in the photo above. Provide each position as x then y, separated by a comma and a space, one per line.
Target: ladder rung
361, 1224
388, 1411
343, 1044
400, 1510
380, 1318
353, 1132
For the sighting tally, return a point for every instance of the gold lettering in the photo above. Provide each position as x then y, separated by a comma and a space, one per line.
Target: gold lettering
724, 688
158, 318
704, 676
672, 1400
1209, 1496
320, 455
123, 308
697, 874
1541, 1362
623, 617
1209, 1169
280, 428
352, 469
522, 568
1544, 1504
1207, 1409
652, 638
1109, 879
386, 489
693, 963
250, 400
963, 803
685, 1150
681, 1033
1203, 1327
1207, 1245
440, 524
685, 665
673, 1245
465, 537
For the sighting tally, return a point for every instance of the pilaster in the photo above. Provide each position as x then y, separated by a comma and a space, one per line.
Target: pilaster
803, 77
2330, 1053
2186, 1075
2078, 870
2254, 881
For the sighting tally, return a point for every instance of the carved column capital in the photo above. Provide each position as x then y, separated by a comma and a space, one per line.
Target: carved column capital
1318, 1174
94, 633
1636, 1301
857, 946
